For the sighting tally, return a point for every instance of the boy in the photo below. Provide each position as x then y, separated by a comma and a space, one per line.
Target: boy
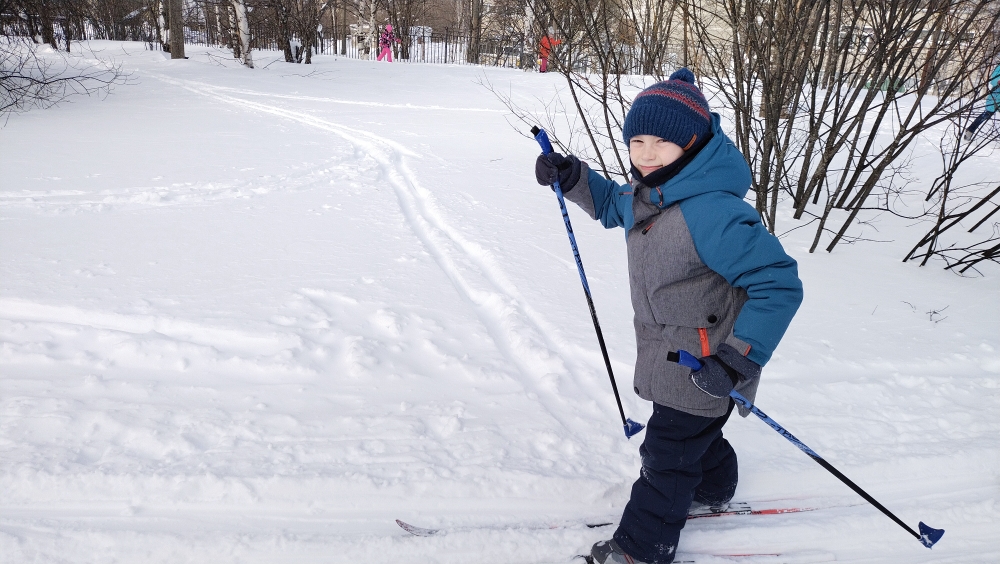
705, 277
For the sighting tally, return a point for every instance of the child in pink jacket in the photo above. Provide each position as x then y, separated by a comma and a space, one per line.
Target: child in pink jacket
385, 43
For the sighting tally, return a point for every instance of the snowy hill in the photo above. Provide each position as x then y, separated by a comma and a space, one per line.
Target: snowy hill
255, 316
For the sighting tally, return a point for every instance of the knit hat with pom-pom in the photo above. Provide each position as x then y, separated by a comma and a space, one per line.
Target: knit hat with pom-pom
674, 109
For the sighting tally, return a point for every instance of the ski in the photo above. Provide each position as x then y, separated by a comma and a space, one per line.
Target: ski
762, 557
744, 557
686, 558
733, 509
423, 532
800, 557
745, 509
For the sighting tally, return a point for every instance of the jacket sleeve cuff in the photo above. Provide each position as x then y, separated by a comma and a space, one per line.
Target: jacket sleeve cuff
740, 345
580, 194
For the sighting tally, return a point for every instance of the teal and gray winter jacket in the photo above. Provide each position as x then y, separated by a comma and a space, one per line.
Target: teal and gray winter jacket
703, 270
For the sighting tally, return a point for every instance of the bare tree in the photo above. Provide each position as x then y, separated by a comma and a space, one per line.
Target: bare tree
241, 45
176, 22
475, 30
308, 14
402, 14
297, 23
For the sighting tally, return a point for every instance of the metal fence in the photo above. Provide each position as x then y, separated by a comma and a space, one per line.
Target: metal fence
418, 46
440, 48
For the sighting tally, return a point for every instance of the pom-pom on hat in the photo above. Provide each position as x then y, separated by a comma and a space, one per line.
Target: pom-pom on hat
674, 109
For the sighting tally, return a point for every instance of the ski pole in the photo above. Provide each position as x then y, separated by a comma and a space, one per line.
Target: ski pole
927, 536
631, 427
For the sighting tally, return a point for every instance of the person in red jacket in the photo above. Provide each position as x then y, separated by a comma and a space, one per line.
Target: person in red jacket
545, 47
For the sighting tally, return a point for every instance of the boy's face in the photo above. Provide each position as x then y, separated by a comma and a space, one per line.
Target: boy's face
649, 153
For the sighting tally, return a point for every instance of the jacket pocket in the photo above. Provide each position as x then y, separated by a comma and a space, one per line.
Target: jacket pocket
700, 302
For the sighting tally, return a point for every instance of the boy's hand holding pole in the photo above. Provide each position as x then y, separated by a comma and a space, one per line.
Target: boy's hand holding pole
553, 168
721, 372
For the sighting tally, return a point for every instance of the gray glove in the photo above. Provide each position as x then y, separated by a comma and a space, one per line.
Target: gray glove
723, 371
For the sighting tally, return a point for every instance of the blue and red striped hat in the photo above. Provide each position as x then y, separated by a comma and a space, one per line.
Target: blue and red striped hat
674, 109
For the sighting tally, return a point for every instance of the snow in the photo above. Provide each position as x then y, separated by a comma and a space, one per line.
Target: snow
257, 315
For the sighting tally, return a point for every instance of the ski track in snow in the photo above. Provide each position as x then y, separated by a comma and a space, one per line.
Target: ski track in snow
187, 193
143, 340
139, 324
512, 323
246, 92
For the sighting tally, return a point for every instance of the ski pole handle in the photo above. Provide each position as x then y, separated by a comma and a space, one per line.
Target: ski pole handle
543, 139
684, 358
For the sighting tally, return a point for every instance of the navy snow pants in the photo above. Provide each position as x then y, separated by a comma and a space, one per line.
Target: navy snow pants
684, 458
980, 120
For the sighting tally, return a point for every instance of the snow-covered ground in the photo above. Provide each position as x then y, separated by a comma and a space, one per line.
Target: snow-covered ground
255, 316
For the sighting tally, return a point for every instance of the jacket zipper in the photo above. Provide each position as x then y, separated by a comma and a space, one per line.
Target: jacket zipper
706, 349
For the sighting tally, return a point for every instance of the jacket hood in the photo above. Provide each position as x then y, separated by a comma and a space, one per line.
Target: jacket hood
719, 167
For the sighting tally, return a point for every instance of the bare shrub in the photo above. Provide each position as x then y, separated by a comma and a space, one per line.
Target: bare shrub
33, 76
829, 96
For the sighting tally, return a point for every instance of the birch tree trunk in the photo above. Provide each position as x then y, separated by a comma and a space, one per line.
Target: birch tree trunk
372, 31
162, 31
243, 32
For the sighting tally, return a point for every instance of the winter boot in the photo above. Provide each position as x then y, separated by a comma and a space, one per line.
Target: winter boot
608, 552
